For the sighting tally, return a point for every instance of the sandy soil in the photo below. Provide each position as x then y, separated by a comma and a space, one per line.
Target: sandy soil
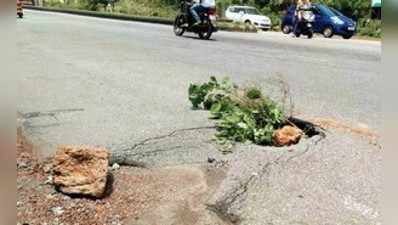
163, 196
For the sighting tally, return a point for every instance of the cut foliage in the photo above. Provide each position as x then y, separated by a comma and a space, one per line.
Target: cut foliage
244, 114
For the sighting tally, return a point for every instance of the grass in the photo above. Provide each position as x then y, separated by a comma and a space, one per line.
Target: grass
145, 8
369, 28
156, 8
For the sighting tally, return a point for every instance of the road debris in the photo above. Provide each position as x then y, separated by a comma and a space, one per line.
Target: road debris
136, 193
115, 166
81, 170
286, 136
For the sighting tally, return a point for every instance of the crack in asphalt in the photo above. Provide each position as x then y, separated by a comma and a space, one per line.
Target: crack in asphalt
50, 113
121, 156
321, 135
221, 207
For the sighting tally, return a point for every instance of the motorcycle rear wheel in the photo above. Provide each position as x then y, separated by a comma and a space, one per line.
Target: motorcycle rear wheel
177, 28
205, 35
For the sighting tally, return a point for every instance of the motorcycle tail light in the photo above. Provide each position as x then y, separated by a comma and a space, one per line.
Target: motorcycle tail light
213, 11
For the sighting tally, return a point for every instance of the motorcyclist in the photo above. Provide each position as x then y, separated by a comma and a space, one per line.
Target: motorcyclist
200, 6
301, 6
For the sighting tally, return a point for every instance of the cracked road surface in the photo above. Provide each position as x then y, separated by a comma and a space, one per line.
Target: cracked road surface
124, 85
331, 180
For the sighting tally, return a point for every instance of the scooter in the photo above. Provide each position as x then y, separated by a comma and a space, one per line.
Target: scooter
19, 9
305, 25
184, 22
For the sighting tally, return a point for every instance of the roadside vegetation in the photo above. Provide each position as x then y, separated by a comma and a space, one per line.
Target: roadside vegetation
158, 8
359, 10
369, 28
243, 114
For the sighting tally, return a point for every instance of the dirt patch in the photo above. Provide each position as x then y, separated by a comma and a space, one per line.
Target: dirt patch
362, 130
163, 196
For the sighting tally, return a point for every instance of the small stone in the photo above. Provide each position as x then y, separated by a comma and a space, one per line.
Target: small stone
286, 136
115, 166
210, 159
57, 211
47, 169
50, 196
81, 170
49, 180
22, 165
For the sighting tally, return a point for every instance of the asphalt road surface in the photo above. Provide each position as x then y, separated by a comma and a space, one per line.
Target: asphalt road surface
119, 84
128, 81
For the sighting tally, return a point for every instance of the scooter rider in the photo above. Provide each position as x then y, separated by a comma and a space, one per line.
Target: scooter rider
301, 6
201, 6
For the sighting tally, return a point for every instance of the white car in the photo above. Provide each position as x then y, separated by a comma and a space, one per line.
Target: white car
248, 15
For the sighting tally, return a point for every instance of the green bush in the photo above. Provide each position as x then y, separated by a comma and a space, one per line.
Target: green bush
244, 114
370, 28
356, 9
159, 8
352, 8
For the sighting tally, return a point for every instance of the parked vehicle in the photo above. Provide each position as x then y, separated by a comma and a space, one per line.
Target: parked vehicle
19, 9
328, 21
249, 15
305, 26
184, 21
376, 9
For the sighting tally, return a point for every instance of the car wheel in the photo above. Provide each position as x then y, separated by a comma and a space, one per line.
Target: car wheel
328, 32
286, 29
347, 36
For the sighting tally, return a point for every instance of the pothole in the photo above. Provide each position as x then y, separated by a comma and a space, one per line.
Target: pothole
309, 128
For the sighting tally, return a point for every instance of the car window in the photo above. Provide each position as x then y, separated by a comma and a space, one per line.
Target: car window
252, 11
326, 11
336, 11
316, 10
238, 9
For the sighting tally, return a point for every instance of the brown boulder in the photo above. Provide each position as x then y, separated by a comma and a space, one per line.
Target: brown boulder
81, 170
286, 136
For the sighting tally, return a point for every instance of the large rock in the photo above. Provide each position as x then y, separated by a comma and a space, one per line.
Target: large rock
286, 136
81, 170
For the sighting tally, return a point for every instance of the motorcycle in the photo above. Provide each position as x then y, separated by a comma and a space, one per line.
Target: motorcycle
184, 22
305, 25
